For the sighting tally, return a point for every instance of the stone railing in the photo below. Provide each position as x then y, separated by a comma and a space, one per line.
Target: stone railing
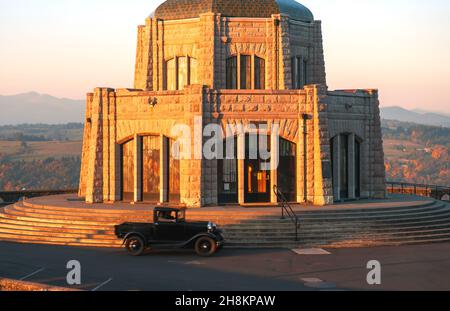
11, 197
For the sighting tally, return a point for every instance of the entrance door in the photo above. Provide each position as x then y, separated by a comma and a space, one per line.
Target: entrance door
257, 180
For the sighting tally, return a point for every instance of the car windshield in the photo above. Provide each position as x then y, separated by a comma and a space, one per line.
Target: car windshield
167, 216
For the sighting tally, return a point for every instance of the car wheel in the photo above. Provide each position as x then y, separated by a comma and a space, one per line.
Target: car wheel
135, 246
205, 246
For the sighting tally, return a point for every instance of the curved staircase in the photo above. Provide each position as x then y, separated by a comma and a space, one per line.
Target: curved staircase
426, 221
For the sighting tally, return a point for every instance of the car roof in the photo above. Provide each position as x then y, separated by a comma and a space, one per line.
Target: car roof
169, 209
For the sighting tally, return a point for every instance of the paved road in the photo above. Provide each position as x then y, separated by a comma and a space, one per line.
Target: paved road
425, 267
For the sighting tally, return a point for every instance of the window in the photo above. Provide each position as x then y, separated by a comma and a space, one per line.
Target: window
179, 72
246, 72
182, 72
250, 75
170, 77
193, 71
232, 73
299, 69
167, 216
260, 73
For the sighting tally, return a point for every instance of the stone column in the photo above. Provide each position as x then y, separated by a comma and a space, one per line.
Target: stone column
351, 167
164, 170
241, 167
337, 167
274, 161
137, 168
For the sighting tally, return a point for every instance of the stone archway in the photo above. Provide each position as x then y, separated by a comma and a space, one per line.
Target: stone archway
346, 166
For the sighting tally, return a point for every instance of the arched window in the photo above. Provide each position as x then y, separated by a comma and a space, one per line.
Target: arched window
245, 72
170, 79
179, 72
260, 73
299, 72
232, 73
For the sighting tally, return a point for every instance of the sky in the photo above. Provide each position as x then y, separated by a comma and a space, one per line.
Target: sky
66, 48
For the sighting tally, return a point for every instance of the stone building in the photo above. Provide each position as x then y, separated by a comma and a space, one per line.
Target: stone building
240, 63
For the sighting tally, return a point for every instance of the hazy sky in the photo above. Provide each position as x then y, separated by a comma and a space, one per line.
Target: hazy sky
67, 47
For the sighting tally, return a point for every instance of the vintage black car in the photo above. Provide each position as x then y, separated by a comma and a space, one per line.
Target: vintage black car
170, 230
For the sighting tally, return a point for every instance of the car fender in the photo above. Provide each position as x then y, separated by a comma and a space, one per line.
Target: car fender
128, 235
203, 234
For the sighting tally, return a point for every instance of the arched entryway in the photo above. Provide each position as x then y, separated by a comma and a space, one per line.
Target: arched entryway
250, 179
346, 166
287, 169
127, 171
149, 170
227, 173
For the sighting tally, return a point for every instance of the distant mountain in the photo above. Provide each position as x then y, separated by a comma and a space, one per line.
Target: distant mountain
419, 117
39, 108
423, 111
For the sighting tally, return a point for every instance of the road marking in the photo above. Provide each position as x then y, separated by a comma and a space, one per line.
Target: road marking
312, 280
31, 274
193, 263
318, 284
310, 251
101, 285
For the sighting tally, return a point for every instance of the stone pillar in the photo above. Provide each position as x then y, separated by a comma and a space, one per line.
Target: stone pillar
337, 167
274, 161
351, 167
164, 161
241, 167
137, 168
94, 170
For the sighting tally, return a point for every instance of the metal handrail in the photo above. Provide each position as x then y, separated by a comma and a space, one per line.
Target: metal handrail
431, 191
287, 209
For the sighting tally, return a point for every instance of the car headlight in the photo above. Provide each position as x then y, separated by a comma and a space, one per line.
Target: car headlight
211, 226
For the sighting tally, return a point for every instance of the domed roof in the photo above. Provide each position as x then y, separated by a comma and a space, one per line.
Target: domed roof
183, 9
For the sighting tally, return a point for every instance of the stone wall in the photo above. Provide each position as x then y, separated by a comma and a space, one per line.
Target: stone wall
211, 39
115, 117
357, 112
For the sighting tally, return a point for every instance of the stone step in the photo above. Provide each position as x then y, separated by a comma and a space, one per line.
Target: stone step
11, 219
332, 230
344, 235
88, 214
59, 221
434, 218
408, 218
440, 207
225, 213
64, 240
392, 209
92, 208
56, 234
5, 238
380, 224
222, 219
26, 226
98, 219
